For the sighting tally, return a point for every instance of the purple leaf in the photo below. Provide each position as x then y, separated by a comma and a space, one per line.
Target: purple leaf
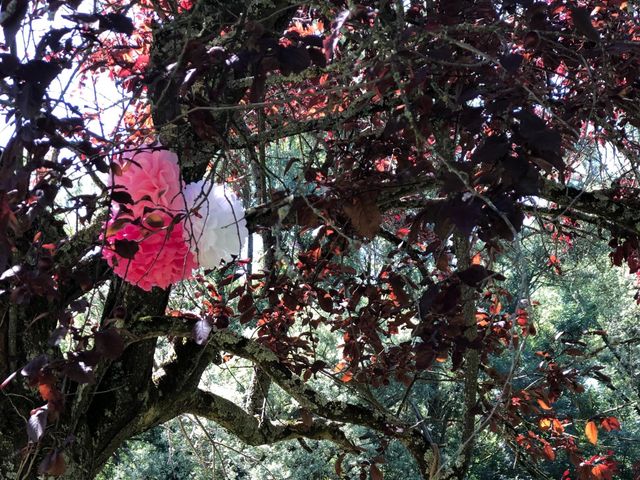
332, 41
79, 372
582, 21
109, 344
477, 274
31, 369
126, 248
37, 424
201, 331
511, 62
293, 59
38, 71
116, 22
121, 196
8, 380
57, 335
52, 464
90, 357
8, 64
85, 18
80, 305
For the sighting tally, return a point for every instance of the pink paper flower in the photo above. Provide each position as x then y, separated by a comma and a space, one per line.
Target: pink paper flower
152, 178
163, 257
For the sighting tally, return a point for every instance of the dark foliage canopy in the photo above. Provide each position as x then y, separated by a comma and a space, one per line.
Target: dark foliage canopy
394, 157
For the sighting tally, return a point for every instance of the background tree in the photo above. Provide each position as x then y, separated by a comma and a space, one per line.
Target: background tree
396, 156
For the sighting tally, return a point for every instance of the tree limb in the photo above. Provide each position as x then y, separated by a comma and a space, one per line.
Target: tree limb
307, 397
623, 214
251, 430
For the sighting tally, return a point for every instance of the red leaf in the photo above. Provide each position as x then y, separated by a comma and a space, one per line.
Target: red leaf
52, 464
602, 472
610, 423
245, 303
557, 426
549, 453
347, 377
364, 215
375, 472
54, 398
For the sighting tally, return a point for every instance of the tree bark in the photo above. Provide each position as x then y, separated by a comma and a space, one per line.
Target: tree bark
461, 466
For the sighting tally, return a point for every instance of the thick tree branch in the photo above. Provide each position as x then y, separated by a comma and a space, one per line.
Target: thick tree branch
462, 248
249, 349
251, 429
582, 204
185, 370
307, 397
621, 213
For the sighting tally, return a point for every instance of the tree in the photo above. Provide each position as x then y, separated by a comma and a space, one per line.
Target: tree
423, 139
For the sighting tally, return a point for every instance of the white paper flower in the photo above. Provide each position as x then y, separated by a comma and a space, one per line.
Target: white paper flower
215, 226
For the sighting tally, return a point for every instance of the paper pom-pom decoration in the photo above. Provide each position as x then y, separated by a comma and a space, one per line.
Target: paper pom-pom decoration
162, 258
156, 230
215, 225
160, 255
152, 178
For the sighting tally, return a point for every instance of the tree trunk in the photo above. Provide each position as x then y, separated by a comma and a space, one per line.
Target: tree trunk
97, 418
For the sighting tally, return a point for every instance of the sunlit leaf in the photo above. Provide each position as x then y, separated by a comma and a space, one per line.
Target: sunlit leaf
591, 431
543, 404
544, 423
